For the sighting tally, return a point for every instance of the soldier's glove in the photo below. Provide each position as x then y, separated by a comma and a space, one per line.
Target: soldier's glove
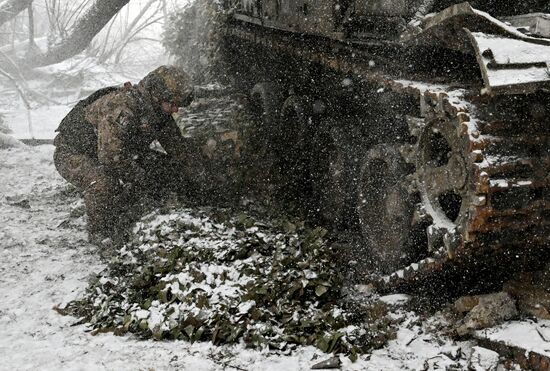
134, 177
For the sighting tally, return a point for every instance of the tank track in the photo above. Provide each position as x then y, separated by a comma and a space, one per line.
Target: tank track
506, 216
504, 147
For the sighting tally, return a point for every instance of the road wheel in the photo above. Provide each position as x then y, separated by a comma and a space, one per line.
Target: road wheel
385, 207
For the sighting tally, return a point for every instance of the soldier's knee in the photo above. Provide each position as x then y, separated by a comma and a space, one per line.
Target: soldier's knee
78, 169
103, 187
101, 199
58, 157
61, 162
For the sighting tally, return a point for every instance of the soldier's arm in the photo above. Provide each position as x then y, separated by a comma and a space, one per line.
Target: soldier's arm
172, 139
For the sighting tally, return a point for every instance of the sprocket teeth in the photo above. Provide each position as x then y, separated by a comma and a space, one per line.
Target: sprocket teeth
451, 241
463, 117
425, 264
419, 214
409, 272
416, 124
440, 253
483, 183
479, 200
407, 151
477, 156
394, 277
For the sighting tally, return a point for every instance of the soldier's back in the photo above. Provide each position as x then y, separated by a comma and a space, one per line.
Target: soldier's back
75, 133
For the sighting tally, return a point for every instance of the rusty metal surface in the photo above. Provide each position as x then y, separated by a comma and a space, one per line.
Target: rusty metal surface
510, 61
531, 24
451, 21
511, 66
527, 359
503, 207
292, 15
504, 183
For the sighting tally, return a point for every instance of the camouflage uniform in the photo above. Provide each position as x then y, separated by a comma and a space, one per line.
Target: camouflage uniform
104, 148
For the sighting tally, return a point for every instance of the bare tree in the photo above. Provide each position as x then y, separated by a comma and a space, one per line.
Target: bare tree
10, 8
32, 43
132, 29
84, 29
62, 15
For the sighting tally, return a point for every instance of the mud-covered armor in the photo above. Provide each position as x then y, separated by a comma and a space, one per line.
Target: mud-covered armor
425, 123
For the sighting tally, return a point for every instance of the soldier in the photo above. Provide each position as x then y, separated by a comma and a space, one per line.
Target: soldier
104, 148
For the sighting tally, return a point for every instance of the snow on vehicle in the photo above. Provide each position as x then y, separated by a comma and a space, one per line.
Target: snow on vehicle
428, 131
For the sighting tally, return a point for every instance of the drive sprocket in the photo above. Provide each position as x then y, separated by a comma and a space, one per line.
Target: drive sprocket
483, 189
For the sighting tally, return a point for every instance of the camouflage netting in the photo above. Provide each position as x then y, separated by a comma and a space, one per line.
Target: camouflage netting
209, 275
192, 37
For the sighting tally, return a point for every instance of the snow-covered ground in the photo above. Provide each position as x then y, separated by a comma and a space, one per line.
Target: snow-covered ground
45, 261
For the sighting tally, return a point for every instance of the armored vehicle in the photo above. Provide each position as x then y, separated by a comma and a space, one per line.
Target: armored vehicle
423, 124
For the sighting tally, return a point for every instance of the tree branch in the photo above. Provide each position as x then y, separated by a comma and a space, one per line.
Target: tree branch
85, 29
32, 44
10, 8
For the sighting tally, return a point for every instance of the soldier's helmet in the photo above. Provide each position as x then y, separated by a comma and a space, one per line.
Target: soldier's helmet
169, 84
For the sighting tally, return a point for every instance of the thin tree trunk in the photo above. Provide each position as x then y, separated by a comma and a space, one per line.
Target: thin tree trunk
165, 10
128, 32
12, 37
80, 36
130, 37
10, 8
24, 98
31, 28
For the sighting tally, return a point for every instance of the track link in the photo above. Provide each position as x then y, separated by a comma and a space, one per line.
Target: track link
507, 194
504, 151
